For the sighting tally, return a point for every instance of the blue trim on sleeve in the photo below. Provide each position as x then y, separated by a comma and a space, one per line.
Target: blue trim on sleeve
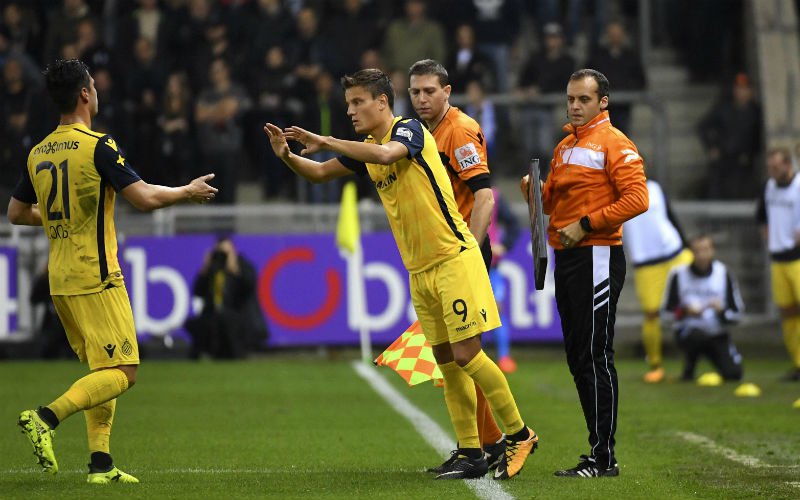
24, 190
409, 134
358, 167
112, 165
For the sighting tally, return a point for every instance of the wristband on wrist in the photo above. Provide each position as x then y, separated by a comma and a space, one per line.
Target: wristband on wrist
586, 225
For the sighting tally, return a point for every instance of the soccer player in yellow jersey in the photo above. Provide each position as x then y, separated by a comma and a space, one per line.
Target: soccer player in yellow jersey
462, 149
449, 285
69, 188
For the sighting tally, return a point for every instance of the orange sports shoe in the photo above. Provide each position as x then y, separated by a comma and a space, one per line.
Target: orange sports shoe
517, 452
654, 376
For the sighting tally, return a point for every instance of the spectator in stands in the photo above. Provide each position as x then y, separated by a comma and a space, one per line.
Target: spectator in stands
310, 55
496, 28
731, 134
622, 65
328, 114
91, 48
30, 71
19, 102
704, 299
271, 85
576, 10
402, 103
22, 28
146, 21
543, 73
268, 25
482, 110
145, 85
413, 38
190, 43
219, 131
467, 62
231, 323
175, 131
112, 117
62, 26
352, 32
372, 59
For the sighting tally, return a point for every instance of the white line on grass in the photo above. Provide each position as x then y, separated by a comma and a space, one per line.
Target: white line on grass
730, 454
432, 432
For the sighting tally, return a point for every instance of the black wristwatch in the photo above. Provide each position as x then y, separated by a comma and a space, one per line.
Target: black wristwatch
586, 225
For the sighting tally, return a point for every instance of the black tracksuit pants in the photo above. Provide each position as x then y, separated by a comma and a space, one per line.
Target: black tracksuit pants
588, 282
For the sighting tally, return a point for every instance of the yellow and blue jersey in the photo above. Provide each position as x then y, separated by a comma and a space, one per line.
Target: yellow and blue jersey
74, 174
418, 197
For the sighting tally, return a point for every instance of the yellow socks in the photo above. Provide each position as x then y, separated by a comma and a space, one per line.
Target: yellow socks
488, 432
494, 385
791, 337
459, 395
90, 391
651, 338
98, 425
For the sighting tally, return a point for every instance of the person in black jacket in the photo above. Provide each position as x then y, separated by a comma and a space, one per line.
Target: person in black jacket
230, 324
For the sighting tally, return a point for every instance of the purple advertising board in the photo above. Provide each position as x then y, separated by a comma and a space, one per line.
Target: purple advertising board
8, 291
306, 290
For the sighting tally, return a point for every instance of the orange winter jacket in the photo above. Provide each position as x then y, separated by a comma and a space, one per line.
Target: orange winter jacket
597, 172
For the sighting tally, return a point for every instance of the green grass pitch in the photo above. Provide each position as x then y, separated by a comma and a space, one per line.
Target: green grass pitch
296, 426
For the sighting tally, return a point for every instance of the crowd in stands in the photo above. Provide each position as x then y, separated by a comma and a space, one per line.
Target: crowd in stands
184, 85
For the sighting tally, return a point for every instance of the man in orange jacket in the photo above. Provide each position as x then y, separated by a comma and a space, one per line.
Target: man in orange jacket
596, 183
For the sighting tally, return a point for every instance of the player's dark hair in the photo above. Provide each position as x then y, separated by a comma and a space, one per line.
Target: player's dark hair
374, 80
429, 67
64, 80
785, 154
603, 86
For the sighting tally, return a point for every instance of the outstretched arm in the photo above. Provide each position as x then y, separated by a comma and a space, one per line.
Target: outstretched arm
310, 170
147, 197
382, 154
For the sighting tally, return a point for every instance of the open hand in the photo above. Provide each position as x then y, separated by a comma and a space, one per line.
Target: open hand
312, 143
277, 140
200, 191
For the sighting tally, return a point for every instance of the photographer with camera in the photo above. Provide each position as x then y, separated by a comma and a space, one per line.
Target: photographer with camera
230, 324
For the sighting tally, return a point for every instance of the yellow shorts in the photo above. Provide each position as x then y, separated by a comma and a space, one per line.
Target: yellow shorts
100, 327
454, 300
786, 283
651, 281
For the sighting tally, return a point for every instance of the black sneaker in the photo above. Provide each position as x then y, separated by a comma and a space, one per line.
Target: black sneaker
494, 453
588, 468
446, 464
464, 467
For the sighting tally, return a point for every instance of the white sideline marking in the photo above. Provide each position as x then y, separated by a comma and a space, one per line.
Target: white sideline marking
484, 488
730, 454
796, 484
